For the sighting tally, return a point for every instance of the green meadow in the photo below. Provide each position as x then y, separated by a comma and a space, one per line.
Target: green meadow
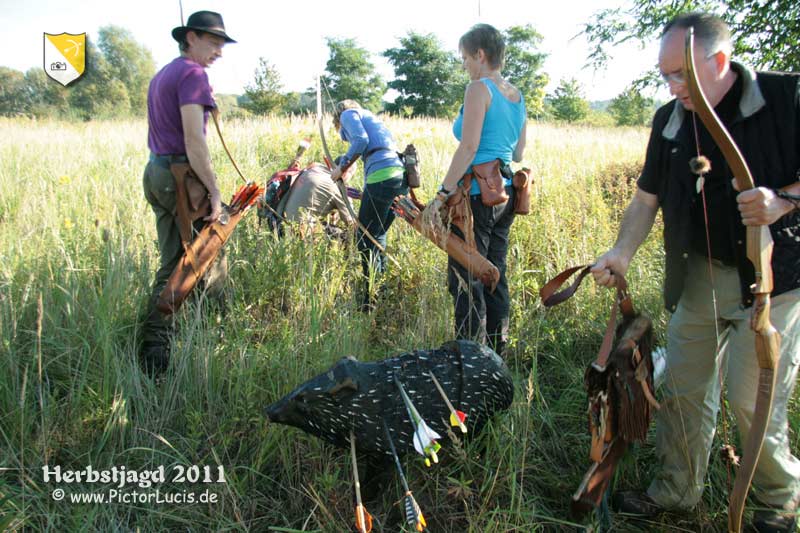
77, 256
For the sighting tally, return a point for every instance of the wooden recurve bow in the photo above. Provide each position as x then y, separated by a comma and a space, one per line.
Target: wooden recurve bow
340, 182
759, 252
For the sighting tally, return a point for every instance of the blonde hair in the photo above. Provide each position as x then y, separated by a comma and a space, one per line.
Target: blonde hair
341, 107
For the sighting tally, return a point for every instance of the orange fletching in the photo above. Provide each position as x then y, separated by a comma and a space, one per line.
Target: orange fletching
363, 519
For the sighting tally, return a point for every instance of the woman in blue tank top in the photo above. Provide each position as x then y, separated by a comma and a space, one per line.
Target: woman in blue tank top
491, 125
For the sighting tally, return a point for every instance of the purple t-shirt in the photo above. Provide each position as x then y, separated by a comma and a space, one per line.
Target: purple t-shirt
179, 83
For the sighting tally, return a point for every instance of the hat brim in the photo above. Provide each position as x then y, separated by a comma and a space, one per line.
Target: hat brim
179, 33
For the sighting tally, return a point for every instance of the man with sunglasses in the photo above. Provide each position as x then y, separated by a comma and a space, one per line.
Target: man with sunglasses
704, 241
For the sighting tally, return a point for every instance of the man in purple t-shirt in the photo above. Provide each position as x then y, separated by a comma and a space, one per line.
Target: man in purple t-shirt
178, 102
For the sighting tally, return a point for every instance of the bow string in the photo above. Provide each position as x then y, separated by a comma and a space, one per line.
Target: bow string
759, 252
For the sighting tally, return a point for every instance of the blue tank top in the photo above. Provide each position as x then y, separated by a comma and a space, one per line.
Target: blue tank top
502, 125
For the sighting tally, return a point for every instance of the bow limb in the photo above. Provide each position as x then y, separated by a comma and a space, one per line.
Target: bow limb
340, 182
759, 252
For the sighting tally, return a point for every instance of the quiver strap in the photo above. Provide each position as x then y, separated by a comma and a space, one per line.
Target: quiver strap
619, 384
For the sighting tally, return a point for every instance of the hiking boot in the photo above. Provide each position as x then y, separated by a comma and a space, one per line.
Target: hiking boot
154, 358
635, 502
774, 521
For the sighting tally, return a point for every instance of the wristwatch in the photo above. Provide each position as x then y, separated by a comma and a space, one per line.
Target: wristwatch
794, 199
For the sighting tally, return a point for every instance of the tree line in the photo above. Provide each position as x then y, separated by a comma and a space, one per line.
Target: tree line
428, 79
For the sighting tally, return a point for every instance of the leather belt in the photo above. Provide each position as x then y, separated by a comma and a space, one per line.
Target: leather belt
164, 161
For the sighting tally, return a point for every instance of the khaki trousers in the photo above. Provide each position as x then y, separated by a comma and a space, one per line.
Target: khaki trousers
687, 420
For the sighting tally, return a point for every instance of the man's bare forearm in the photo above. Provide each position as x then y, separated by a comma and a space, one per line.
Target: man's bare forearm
196, 147
200, 159
636, 224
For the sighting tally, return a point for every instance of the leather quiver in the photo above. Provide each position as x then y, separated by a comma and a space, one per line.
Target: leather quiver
195, 262
522, 191
463, 251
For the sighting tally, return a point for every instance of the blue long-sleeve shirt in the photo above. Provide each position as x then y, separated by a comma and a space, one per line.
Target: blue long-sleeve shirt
365, 132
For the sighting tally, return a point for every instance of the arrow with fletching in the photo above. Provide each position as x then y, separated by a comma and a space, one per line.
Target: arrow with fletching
424, 437
363, 518
414, 517
456, 417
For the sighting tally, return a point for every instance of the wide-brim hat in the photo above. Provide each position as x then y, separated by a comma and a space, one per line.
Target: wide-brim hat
205, 21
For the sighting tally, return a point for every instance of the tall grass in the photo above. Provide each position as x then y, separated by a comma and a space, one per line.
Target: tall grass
76, 233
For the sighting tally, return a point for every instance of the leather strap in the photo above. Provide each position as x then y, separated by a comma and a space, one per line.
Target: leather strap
215, 115
623, 302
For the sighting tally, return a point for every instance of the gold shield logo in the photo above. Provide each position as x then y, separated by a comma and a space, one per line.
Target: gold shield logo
65, 56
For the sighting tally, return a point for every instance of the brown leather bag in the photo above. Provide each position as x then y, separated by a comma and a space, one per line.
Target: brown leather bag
490, 182
522, 191
619, 385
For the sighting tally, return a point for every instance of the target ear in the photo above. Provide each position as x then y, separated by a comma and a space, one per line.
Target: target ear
343, 389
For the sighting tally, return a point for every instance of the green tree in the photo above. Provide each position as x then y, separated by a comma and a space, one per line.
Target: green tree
765, 34
567, 101
351, 74
523, 64
128, 62
14, 99
45, 97
264, 95
429, 79
299, 103
631, 108
98, 94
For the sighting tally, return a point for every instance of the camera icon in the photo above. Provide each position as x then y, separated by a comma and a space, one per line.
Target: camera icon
58, 65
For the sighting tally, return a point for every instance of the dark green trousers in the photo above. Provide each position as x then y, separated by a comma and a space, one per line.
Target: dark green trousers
159, 191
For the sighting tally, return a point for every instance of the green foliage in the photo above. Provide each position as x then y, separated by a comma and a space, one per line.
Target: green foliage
293, 312
114, 83
765, 34
523, 64
351, 74
98, 94
299, 103
567, 102
46, 98
13, 97
429, 79
631, 108
264, 95
598, 118
129, 63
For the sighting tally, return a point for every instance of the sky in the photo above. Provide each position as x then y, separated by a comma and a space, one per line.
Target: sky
291, 34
